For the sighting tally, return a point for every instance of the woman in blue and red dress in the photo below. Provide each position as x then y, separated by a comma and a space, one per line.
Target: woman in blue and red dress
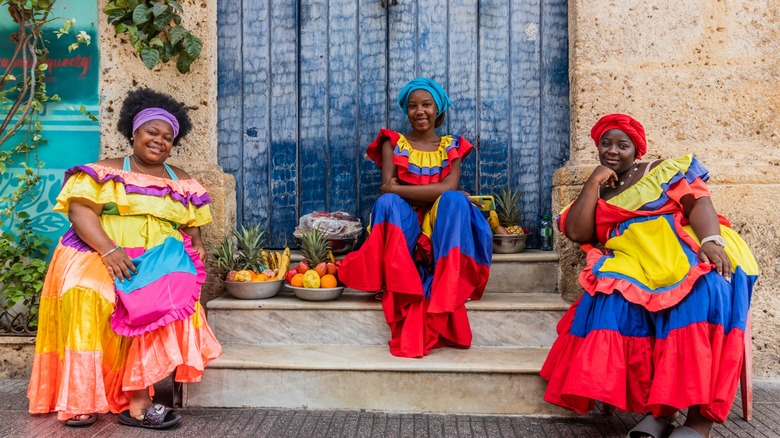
661, 325
429, 249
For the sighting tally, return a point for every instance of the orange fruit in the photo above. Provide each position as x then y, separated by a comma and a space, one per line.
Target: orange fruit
261, 277
297, 280
321, 268
328, 280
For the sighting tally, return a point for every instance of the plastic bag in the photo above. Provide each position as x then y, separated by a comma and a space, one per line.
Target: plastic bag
338, 225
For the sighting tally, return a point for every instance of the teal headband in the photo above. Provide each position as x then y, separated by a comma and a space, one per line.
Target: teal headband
443, 101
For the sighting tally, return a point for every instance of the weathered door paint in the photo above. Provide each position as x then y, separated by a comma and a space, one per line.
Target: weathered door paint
305, 86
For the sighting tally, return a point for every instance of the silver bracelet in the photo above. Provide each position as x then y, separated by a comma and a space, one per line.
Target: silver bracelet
119, 247
717, 238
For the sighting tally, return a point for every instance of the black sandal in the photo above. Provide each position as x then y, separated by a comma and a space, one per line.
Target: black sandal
156, 417
88, 421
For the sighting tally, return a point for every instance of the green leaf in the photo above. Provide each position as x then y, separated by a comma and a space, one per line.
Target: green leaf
183, 63
163, 20
177, 34
167, 52
116, 17
120, 28
140, 14
176, 5
159, 8
156, 42
150, 57
192, 45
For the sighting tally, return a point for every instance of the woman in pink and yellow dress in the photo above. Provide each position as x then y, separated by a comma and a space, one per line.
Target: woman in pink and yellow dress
119, 308
429, 249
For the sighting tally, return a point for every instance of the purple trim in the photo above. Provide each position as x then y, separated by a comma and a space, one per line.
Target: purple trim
72, 240
197, 200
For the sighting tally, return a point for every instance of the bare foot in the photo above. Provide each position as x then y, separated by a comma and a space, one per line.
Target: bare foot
139, 403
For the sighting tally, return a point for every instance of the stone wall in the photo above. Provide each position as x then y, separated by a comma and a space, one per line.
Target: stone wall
702, 78
123, 70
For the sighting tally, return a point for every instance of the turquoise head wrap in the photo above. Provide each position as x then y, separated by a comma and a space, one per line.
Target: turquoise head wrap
439, 95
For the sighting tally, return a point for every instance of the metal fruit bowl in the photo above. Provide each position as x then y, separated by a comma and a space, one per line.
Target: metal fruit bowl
508, 243
317, 294
254, 290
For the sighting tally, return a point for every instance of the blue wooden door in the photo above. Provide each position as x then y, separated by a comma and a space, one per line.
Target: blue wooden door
305, 86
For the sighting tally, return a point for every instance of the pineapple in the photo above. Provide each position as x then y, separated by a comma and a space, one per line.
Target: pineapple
508, 211
315, 246
225, 257
250, 248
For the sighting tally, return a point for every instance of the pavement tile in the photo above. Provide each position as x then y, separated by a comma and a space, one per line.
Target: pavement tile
15, 421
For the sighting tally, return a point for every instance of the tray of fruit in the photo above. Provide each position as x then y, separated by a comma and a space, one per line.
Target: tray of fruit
315, 278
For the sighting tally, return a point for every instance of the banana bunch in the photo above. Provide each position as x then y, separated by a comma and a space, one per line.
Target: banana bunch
278, 261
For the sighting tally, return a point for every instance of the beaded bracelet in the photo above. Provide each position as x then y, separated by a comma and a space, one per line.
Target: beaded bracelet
110, 251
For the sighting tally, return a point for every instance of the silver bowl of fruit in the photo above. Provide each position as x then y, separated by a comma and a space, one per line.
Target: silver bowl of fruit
317, 293
253, 290
508, 243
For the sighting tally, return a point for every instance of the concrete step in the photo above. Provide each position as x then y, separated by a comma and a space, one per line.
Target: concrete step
479, 380
529, 271
356, 318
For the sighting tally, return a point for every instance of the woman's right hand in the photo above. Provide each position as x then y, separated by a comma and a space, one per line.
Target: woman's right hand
119, 265
603, 176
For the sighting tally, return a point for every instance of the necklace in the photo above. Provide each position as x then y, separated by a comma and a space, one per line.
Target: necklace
630, 174
140, 169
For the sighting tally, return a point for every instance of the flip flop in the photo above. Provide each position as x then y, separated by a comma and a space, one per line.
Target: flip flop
73, 422
156, 417
685, 432
652, 426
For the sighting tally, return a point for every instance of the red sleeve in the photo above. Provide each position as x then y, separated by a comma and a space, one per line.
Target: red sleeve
374, 150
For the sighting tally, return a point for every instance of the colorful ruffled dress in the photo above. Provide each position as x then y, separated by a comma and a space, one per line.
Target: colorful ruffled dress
656, 330
81, 364
429, 262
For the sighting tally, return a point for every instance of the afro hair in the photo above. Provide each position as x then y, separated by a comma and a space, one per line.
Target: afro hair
143, 98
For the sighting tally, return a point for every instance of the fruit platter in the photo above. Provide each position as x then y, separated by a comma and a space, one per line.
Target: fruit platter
315, 278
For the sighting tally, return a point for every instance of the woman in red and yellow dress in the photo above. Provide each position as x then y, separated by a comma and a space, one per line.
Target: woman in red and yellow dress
429, 249
119, 308
661, 324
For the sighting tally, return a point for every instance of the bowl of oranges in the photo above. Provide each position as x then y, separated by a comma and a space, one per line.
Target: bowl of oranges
253, 286
315, 284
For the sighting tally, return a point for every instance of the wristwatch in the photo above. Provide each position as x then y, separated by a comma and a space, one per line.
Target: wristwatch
716, 238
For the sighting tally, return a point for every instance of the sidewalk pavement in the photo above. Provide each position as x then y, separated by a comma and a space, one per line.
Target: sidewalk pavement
284, 423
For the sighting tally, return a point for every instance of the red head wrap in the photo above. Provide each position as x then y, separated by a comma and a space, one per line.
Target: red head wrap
625, 123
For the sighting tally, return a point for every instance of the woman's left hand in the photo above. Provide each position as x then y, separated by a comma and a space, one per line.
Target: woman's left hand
714, 254
201, 250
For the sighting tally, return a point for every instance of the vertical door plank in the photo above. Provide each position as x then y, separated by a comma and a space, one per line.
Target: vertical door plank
230, 92
255, 195
525, 100
373, 103
314, 65
431, 36
495, 109
402, 57
284, 120
343, 108
462, 28
555, 93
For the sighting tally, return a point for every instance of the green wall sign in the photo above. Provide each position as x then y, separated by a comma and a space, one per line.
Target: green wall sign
72, 138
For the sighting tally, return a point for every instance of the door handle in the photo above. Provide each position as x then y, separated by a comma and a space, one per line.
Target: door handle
392, 3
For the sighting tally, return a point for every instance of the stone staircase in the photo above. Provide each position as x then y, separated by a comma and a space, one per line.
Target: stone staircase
287, 353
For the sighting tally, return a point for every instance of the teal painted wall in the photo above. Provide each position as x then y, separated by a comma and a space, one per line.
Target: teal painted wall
72, 137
